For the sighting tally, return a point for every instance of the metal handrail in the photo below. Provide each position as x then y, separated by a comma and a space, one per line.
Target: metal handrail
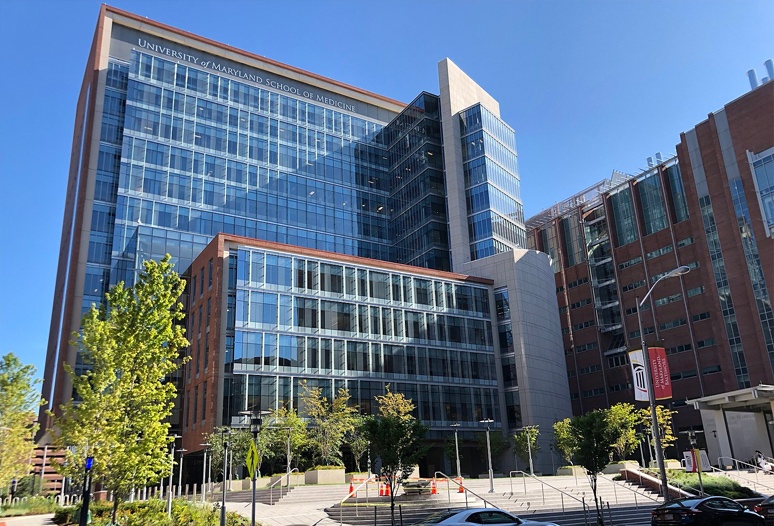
271, 487
562, 493
617, 483
354, 492
467, 490
755, 472
674, 486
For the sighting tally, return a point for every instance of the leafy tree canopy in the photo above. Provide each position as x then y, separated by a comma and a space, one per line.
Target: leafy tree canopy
129, 346
398, 440
357, 439
565, 440
664, 419
624, 417
19, 400
329, 422
526, 441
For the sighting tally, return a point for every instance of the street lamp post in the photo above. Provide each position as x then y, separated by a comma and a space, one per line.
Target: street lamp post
553, 465
679, 271
83, 520
180, 474
204, 473
255, 428
225, 462
696, 459
489, 454
170, 489
457, 449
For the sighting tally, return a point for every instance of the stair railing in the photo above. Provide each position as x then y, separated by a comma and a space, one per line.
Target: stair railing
354, 492
465, 489
628, 488
562, 493
755, 469
271, 488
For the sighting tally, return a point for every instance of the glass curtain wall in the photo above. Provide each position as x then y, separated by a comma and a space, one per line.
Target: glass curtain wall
492, 185
342, 325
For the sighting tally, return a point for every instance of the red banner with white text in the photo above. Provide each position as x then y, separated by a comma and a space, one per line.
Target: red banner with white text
659, 368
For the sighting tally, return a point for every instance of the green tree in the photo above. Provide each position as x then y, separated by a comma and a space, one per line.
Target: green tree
664, 419
398, 439
238, 444
129, 345
357, 439
329, 423
526, 442
285, 426
498, 443
595, 435
19, 400
625, 418
565, 440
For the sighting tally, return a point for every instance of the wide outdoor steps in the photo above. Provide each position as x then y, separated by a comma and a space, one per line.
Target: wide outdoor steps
629, 505
262, 495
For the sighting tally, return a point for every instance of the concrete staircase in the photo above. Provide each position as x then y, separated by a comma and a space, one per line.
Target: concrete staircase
262, 495
558, 499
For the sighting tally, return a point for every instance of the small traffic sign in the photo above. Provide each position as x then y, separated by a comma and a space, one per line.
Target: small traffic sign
252, 459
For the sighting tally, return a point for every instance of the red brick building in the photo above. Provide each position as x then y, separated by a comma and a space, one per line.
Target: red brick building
710, 207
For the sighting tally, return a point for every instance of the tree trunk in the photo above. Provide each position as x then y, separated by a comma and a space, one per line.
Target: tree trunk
593, 483
115, 509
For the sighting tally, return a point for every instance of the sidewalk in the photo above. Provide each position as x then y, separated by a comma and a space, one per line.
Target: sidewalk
282, 514
30, 520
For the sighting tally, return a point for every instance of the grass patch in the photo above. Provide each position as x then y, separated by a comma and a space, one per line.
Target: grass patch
713, 485
30, 506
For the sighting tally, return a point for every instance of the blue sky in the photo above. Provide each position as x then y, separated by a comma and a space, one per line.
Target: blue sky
589, 86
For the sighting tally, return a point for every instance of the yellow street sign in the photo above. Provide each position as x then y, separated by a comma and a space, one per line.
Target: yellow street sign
252, 459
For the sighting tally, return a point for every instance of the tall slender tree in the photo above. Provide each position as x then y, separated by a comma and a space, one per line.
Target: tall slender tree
19, 399
398, 439
595, 438
330, 421
130, 345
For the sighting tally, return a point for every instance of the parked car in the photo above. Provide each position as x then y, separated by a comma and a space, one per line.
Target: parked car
766, 508
704, 511
470, 516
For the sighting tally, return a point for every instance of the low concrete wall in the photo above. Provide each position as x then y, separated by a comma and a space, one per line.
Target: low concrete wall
325, 476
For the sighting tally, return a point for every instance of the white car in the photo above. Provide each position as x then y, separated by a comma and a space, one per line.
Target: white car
470, 516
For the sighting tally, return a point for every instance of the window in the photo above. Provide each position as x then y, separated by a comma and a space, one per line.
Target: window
659, 252
209, 274
695, 292
204, 401
672, 324
653, 212
580, 303
618, 360
705, 343
685, 242
678, 349
577, 283
624, 217
629, 263
700, 316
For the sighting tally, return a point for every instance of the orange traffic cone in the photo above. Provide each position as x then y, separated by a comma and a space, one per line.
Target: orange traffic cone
351, 489
461, 487
433, 489
387, 490
381, 490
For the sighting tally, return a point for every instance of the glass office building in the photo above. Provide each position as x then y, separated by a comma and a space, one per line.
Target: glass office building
179, 138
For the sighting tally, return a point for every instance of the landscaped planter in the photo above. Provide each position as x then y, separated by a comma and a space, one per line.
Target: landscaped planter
326, 476
571, 470
616, 467
295, 479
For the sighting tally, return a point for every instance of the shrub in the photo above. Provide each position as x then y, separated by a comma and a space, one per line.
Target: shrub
30, 506
713, 485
